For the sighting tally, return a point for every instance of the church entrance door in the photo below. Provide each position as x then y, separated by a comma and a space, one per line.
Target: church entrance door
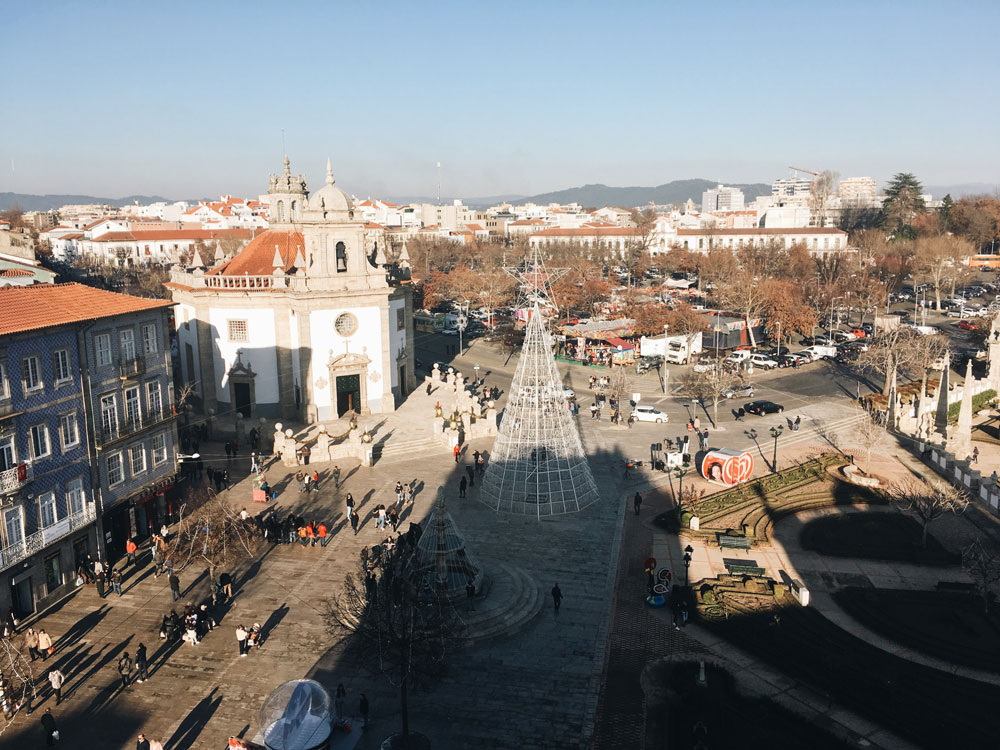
348, 394
241, 394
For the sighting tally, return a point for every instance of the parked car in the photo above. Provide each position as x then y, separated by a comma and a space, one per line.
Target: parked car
824, 340
789, 360
705, 364
740, 355
775, 351
958, 313
648, 363
760, 408
649, 414
968, 325
806, 355
450, 331
762, 360
822, 352
738, 391
868, 328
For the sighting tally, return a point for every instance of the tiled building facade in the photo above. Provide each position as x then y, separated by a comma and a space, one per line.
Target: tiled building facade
87, 436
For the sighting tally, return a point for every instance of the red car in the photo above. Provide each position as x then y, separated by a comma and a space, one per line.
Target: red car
968, 325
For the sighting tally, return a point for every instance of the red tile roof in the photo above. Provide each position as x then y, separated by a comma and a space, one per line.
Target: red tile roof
30, 308
588, 232
16, 272
474, 228
257, 258
174, 234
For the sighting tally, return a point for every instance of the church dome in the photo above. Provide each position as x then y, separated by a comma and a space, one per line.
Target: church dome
329, 198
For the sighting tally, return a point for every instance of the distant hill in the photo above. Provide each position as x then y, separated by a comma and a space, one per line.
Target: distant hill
677, 191
29, 202
957, 191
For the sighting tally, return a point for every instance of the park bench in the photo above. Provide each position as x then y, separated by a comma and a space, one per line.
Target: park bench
961, 586
728, 541
738, 567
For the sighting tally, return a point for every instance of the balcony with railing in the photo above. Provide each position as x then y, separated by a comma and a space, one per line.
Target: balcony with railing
15, 478
25, 548
130, 367
105, 433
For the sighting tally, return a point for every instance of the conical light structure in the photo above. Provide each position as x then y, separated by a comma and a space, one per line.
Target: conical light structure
537, 466
442, 562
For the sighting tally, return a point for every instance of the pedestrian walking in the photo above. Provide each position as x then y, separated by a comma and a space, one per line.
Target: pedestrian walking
704, 439
481, 464
306, 452
556, 597
321, 534
56, 680
354, 523
254, 465
241, 639
798, 422
394, 517
141, 663
628, 466
336, 477
116, 582
975, 455
300, 479
225, 478
175, 585
462, 484
349, 501
306, 482
363, 709
31, 642
229, 452
125, 669
455, 452
315, 483
637, 502
130, 548
338, 701
226, 583
50, 728
45, 647
99, 581
381, 517
142, 743
400, 493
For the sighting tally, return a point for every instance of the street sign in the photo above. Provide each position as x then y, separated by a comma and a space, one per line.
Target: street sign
461, 321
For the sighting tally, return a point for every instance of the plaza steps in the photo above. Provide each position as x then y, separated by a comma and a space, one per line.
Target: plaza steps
395, 448
513, 600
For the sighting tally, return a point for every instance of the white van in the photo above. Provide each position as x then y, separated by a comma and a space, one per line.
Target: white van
822, 352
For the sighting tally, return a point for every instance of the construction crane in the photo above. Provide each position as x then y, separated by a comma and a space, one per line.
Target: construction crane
806, 171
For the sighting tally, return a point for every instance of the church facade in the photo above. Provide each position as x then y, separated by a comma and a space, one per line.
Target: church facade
304, 323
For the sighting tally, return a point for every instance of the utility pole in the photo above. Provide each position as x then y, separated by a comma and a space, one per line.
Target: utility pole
439, 183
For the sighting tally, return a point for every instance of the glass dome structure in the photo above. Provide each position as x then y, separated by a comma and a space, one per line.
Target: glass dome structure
296, 716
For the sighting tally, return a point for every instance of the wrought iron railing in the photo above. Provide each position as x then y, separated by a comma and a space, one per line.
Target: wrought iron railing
15, 478
105, 435
132, 366
25, 548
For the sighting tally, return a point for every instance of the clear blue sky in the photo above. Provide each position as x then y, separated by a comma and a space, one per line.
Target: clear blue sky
189, 99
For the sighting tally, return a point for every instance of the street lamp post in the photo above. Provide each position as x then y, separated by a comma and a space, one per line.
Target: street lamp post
688, 551
830, 332
475, 367
776, 433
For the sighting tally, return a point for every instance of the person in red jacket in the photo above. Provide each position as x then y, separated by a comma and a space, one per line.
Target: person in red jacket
311, 533
130, 549
321, 533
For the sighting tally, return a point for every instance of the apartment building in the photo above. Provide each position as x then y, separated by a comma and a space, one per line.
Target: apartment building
87, 433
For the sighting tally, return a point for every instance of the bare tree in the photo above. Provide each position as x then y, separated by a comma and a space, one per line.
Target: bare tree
871, 432
823, 187
982, 562
404, 628
708, 386
929, 499
212, 534
17, 675
891, 352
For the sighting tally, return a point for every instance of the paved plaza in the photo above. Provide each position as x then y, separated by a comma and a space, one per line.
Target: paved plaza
538, 685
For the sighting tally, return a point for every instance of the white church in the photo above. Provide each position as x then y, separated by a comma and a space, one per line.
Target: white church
304, 323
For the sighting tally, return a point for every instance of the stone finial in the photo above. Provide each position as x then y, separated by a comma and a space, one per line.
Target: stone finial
300, 261
277, 262
944, 387
329, 172
404, 256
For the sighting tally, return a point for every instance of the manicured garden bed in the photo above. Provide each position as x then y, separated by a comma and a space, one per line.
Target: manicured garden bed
874, 536
948, 625
929, 707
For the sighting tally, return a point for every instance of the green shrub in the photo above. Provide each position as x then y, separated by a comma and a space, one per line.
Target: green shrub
979, 401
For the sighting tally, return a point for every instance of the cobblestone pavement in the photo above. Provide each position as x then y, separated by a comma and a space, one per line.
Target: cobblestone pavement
536, 688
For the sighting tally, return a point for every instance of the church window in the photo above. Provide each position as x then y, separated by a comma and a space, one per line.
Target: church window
295, 208
238, 330
341, 257
345, 324
400, 319
281, 210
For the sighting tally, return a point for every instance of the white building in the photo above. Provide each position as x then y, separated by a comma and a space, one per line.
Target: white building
303, 324
613, 237
722, 198
817, 240
792, 187
858, 189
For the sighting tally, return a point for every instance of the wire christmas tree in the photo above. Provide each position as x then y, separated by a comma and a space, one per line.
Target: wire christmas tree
538, 466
